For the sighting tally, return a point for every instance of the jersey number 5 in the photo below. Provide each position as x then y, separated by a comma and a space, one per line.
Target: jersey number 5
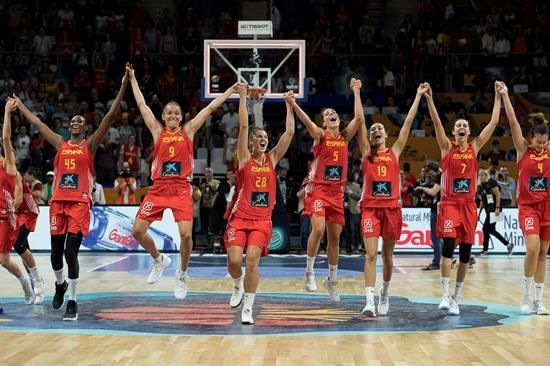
335, 155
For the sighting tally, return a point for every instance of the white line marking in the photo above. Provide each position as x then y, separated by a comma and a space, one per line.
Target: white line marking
106, 264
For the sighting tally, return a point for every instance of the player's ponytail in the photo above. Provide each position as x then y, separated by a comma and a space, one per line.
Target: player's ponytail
372, 152
540, 124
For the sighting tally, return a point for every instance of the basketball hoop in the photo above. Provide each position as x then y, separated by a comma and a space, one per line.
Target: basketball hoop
254, 103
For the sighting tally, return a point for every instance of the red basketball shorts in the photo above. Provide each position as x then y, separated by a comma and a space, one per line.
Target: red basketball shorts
69, 217
381, 221
458, 221
245, 232
325, 201
8, 236
535, 219
178, 199
28, 219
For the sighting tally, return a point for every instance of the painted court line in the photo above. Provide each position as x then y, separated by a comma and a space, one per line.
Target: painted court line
107, 264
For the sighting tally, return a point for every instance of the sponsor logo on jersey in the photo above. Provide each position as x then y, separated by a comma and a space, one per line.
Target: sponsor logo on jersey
529, 223
317, 206
448, 226
367, 226
230, 234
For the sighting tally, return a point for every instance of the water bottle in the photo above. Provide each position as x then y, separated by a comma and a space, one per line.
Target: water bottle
112, 230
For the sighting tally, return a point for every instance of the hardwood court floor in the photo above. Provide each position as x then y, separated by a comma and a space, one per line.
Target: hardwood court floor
496, 280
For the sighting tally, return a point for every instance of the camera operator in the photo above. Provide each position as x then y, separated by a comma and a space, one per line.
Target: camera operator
429, 194
125, 186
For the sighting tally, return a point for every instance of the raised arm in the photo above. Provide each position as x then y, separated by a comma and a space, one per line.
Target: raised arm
9, 156
485, 135
399, 144
286, 138
53, 138
18, 194
99, 134
148, 117
517, 135
243, 154
440, 135
315, 131
359, 116
196, 123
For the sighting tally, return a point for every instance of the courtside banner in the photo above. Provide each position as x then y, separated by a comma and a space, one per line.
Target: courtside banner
111, 229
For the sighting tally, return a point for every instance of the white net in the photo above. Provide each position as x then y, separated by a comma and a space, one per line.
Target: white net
254, 105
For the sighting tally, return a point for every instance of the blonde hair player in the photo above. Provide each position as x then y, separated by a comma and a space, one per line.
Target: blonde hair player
381, 202
249, 213
323, 200
457, 216
533, 197
172, 174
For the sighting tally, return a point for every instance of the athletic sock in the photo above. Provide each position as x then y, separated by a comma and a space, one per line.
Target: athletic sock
237, 282
34, 274
332, 272
310, 264
72, 288
527, 286
458, 290
539, 289
248, 300
445, 285
59, 276
385, 287
369, 292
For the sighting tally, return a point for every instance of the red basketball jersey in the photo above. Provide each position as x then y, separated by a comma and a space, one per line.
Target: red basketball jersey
173, 158
7, 185
381, 181
534, 177
330, 161
255, 189
28, 202
74, 173
459, 177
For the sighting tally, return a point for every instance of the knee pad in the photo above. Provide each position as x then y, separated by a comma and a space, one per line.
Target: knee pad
56, 255
448, 248
71, 254
22, 244
465, 252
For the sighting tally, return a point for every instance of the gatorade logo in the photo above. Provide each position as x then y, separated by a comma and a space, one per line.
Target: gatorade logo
448, 226
529, 223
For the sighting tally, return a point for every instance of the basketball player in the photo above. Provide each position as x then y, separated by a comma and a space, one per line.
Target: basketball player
249, 214
27, 212
323, 200
72, 195
533, 196
172, 173
457, 217
8, 219
381, 201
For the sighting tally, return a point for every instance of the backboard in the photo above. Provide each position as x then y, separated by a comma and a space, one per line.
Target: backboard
275, 65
